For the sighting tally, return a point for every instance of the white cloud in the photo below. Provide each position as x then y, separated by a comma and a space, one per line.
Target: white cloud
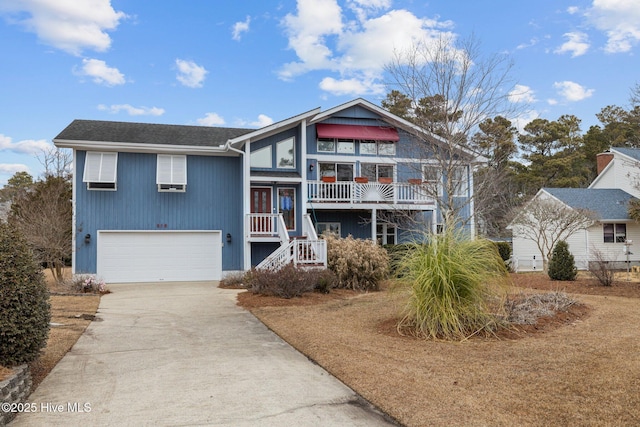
263, 120
521, 94
532, 42
12, 168
71, 26
524, 118
240, 27
101, 73
131, 110
211, 119
28, 146
577, 44
552, 101
351, 87
620, 21
323, 37
190, 74
572, 91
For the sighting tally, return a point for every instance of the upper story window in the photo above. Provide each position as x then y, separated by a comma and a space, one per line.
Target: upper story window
285, 154
262, 158
326, 145
368, 147
459, 181
614, 233
100, 170
374, 172
386, 148
346, 146
171, 173
432, 177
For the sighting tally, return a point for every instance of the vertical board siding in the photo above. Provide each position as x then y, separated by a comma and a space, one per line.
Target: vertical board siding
212, 201
354, 223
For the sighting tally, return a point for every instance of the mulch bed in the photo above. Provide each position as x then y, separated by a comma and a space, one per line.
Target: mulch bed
531, 281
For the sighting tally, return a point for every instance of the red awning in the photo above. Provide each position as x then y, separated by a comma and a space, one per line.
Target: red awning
376, 133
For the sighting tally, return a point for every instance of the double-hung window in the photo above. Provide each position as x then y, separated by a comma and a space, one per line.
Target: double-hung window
433, 179
100, 170
614, 233
171, 173
459, 181
374, 172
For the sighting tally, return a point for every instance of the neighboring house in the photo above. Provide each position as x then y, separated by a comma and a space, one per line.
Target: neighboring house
607, 198
166, 202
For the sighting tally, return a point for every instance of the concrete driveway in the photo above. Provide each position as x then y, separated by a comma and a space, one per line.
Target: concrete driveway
185, 354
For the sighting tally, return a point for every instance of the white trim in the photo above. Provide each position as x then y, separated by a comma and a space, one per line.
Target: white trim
129, 147
74, 233
273, 128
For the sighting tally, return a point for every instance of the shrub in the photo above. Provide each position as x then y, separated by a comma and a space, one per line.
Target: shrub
562, 265
288, 282
24, 301
88, 283
358, 264
234, 280
323, 279
504, 249
601, 269
453, 284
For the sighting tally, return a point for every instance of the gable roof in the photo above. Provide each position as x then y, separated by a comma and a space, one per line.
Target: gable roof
607, 204
634, 153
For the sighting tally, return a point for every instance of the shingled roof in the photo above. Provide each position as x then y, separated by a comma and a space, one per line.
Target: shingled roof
608, 204
634, 153
148, 133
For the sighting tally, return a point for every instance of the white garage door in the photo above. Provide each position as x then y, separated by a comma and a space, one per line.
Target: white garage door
150, 256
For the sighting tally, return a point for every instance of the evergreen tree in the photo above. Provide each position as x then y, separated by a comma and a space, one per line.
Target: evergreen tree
562, 265
24, 301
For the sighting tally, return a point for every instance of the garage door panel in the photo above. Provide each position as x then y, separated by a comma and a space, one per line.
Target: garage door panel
159, 256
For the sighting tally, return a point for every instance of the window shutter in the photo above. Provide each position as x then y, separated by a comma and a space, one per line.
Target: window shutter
179, 170
100, 167
171, 169
108, 171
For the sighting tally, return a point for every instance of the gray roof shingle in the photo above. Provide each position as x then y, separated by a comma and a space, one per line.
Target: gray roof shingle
634, 153
148, 133
608, 204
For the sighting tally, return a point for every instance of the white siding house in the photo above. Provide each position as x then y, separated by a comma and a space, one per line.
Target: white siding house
607, 199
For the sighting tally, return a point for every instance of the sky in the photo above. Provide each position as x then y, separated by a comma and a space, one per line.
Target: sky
248, 63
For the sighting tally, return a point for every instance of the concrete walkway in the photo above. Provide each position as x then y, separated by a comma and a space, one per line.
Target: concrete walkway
185, 354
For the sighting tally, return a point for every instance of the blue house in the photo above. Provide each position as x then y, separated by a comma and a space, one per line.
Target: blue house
167, 202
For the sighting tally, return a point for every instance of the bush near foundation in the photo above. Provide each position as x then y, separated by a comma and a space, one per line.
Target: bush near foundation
25, 312
288, 282
562, 265
358, 264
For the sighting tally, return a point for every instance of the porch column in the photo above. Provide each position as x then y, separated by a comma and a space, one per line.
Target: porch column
246, 204
303, 166
374, 225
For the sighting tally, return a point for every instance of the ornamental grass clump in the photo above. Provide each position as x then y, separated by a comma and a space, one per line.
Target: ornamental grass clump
456, 287
358, 264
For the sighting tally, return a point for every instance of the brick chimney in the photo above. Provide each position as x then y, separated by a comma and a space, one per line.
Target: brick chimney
602, 160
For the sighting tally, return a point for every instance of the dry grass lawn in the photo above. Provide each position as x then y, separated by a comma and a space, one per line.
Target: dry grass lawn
582, 369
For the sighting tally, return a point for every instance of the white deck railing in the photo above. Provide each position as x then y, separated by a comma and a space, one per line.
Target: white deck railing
302, 253
268, 225
370, 192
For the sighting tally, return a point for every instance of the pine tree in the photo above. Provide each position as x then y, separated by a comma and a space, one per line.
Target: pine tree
562, 265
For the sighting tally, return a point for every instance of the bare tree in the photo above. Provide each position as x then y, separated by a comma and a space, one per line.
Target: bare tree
452, 89
56, 162
43, 215
547, 221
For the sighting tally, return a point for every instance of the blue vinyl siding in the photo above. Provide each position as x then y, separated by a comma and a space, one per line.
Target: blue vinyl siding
211, 202
352, 223
273, 142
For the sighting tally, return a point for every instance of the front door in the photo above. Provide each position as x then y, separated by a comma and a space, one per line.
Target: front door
261, 204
